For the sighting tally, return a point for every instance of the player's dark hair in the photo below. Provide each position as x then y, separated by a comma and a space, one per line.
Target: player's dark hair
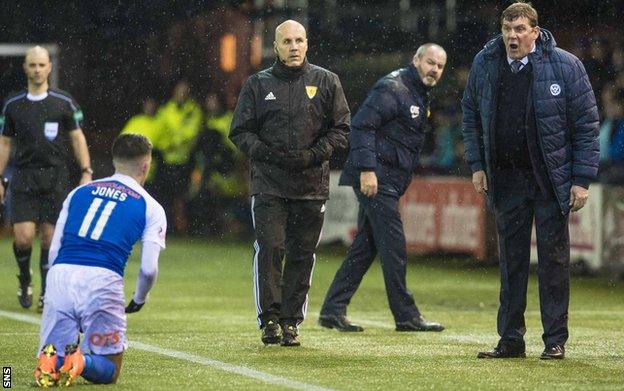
130, 146
519, 10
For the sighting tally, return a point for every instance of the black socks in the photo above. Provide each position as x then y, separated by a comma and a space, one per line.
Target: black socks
43, 268
22, 256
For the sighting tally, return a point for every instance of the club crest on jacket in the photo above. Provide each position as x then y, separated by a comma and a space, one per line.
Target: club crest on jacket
311, 91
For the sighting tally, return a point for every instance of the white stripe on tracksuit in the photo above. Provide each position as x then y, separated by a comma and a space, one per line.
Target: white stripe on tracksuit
255, 271
256, 281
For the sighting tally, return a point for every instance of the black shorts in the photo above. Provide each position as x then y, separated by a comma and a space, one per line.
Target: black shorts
37, 194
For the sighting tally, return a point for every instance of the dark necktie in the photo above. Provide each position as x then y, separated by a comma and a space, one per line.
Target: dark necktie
515, 66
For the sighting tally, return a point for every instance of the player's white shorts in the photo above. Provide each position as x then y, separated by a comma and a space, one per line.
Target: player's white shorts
88, 300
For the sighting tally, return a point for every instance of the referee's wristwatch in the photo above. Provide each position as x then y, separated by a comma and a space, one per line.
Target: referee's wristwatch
87, 170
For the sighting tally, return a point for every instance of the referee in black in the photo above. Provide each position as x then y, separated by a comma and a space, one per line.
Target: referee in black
289, 120
39, 122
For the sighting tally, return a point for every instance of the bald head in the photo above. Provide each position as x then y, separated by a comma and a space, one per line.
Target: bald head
37, 67
290, 25
37, 52
291, 43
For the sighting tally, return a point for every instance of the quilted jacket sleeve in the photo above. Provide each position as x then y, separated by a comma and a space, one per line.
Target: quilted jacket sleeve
379, 107
471, 120
582, 114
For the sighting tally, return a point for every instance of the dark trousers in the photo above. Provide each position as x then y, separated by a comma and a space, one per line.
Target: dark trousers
518, 200
380, 230
290, 228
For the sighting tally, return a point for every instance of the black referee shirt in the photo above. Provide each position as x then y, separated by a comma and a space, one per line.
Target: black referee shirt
39, 127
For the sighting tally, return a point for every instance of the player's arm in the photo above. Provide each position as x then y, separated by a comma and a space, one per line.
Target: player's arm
81, 152
58, 230
153, 242
5, 153
147, 275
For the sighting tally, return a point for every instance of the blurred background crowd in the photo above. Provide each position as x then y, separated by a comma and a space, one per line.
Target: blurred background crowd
172, 70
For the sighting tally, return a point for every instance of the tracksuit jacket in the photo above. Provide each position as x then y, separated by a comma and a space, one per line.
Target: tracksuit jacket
292, 109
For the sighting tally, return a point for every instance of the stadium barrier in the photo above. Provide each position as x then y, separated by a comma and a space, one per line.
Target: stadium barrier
446, 215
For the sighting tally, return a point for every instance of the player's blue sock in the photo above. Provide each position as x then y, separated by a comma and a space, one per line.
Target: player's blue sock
59, 362
98, 369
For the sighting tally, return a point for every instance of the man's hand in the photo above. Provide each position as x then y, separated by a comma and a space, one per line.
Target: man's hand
133, 307
578, 197
368, 183
298, 160
479, 182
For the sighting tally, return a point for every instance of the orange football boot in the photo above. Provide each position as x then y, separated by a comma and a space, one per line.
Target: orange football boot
45, 373
72, 366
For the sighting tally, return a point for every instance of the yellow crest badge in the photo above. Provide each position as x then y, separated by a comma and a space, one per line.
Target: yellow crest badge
311, 91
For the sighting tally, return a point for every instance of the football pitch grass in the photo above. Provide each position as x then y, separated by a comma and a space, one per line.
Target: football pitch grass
198, 330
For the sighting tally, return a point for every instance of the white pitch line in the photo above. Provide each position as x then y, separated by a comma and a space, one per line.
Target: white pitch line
240, 370
263, 376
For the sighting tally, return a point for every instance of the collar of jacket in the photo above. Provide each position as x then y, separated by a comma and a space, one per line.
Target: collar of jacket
414, 77
284, 72
544, 43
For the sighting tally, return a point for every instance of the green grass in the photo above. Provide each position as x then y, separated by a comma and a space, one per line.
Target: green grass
202, 305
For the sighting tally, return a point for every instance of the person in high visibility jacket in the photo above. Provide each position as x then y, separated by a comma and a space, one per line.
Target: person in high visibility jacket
219, 118
145, 124
180, 121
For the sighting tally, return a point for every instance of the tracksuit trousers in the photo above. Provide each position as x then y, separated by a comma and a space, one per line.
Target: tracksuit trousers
287, 233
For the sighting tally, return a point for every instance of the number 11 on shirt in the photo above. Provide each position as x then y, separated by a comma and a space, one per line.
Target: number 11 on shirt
101, 221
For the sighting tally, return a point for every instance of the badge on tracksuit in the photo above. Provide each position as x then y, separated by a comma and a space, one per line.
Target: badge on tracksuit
311, 91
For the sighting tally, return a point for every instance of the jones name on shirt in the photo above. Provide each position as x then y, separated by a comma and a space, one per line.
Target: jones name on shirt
113, 191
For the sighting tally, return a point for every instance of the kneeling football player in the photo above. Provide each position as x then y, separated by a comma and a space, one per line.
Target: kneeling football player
94, 235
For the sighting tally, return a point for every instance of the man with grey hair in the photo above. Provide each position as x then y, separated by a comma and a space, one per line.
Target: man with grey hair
386, 137
289, 120
39, 121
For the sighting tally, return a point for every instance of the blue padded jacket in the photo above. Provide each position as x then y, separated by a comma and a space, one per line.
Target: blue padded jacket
387, 132
565, 112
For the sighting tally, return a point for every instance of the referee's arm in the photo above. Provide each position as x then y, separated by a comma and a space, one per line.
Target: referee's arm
5, 153
81, 152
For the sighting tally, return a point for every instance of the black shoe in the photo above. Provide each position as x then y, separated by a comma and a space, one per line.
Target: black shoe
338, 322
554, 352
418, 324
24, 291
271, 333
289, 336
40, 304
503, 351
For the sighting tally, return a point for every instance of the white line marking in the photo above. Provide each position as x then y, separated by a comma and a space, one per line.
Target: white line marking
21, 317
240, 370
265, 377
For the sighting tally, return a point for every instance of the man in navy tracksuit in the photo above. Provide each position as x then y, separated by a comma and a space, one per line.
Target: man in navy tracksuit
385, 140
530, 126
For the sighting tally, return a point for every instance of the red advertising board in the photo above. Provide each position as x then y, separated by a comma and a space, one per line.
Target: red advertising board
444, 215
